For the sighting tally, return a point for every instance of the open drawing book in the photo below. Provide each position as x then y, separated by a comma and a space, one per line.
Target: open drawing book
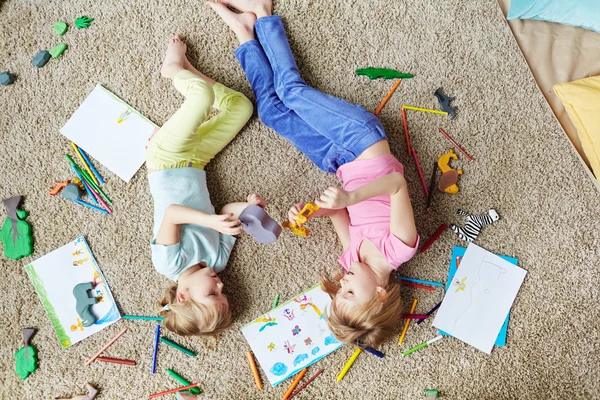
292, 336
55, 275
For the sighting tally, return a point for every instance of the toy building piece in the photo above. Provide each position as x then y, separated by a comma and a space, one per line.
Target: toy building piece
58, 186
307, 211
83, 22
385, 73
60, 28
257, 223
92, 393
58, 50
6, 78
26, 357
296, 229
83, 302
447, 182
27, 334
16, 232
474, 224
431, 394
445, 103
72, 192
41, 58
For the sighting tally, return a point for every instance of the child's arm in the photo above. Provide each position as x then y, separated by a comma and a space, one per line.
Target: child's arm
339, 218
235, 209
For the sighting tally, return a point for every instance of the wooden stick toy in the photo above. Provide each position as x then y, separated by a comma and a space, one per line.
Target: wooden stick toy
412, 310
437, 233
389, 95
443, 132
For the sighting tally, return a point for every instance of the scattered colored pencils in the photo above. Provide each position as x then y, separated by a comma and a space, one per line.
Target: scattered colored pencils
178, 346
84, 183
142, 317
405, 124
428, 313
458, 260
348, 364
427, 110
254, 369
417, 285
415, 316
83, 161
370, 350
87, 160
275, 302
312, 378
437, 233
388, 96
412, 310
106, 346
182, 380
418, 164
155, 395
422, 281
88, 205
424, 344
116, 361
294, 384
432, 183
154, 356
443, 132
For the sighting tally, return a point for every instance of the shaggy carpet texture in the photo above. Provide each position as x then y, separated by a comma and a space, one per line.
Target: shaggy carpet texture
523, 167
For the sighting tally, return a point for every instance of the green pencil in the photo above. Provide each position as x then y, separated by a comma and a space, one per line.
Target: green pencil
182, 380
177, 346
144, 318
424, 344
275, 302
95, 186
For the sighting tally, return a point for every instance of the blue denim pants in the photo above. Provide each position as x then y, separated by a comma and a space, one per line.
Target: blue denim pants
328, 130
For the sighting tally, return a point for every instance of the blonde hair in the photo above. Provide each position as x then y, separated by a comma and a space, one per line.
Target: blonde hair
193, 318
372, 323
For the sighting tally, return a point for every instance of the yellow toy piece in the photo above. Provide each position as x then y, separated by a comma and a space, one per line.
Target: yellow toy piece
447, 182
306, 212
296, 229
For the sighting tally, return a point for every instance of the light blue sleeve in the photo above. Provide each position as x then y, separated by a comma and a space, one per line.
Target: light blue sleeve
583, 13
167, 259
226, 243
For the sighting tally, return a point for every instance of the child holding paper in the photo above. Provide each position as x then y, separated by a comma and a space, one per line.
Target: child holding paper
372, 214
191, 243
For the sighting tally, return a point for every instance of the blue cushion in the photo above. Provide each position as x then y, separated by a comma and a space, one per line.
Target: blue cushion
583, 13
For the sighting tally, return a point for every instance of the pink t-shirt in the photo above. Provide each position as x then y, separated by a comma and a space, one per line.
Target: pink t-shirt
370, 219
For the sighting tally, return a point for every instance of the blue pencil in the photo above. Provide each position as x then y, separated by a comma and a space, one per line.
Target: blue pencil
93, 207
89, 163
402, 278
371, 350
156, 337
84, 185
430, 312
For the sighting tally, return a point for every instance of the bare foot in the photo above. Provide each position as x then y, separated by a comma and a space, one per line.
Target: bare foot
241, 24
174, 57
260, 8
257, 199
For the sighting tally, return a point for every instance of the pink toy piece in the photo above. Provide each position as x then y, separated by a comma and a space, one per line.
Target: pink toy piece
258, 224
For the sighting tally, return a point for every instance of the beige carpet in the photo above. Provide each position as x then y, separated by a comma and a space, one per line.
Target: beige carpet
523, 167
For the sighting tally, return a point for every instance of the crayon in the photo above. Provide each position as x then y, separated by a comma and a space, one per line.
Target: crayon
116, 361
417, 285
177, 346
106, 346
182, 380
427, 110
437, 233
348, 364
82, 160
154, 356
420, 171
430, 312
412, 310
87, 160
142, 317
193, 385
424, 344
424, 282
294, 384
312, 378
254, 369
443, 132
385, 100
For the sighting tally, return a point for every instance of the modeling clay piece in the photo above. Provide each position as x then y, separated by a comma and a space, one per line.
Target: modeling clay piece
385, 73
58, 50
92, 392
60, 28
25, 357
296, 229
257, 223
83, 302
307, 211
41, 58
72, 192
447, 182
6, 78
445, 103
431, 394
83, 22
58, 186
474, 224
16, 232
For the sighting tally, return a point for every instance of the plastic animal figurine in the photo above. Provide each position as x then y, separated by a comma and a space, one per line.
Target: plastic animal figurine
447, 182
445, 103
385, 73
92, 392
16, 232
26, 357
58, 186
84, 301
257, 223
83, 22
474, 224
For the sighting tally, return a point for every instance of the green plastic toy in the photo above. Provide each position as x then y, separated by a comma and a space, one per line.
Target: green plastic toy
385, 73
431, 394
58, 50
83, 22
16, 232
26, 357
60, 28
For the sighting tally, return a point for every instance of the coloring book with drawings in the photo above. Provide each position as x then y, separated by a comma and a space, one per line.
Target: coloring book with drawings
479, 298
292, 336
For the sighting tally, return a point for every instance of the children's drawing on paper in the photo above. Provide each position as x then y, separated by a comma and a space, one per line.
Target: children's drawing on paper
296, 330
289, 314
300, 359
460, 285
123, 117
289, 347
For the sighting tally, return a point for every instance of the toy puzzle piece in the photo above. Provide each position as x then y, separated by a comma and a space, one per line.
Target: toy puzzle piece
296, 229
385, 73
72, 192
16, 232
307, 211
58, 186
84, 301
41, 58
58, 50
92, 393
445, 103
83, 22
447, 182
257, 223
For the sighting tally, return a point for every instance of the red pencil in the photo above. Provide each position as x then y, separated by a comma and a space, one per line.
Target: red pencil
116, 361
437, 233
306, 384
420, 172
406, 132
152, 396
415, 316
417, 285
443, 132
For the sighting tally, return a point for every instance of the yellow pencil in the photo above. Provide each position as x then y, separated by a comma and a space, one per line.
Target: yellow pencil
294, 384
429, 110
87, 168
412, 310
348, 364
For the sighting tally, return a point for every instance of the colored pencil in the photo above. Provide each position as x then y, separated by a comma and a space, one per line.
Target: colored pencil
106, 346
418, 164
312, 378
275, 302
116, 361
415, 316
82, 160
254, 369
154, 356
348, 364
422, 281
93, 207
95, 186
430, 312
412, 310
294, 384
437, 233
87, 160
424, 344
385, 100
406, 132
443, 132
182, 380
427, 110
432, 183
370, 350
417, 285
458, 260
100, 201
193, 385
178, 346
142, 317
85, 186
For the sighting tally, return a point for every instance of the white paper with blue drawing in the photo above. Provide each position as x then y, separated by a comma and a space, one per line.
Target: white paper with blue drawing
479, 298
292, 336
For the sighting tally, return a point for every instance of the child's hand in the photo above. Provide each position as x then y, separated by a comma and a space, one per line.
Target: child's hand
335, 198
294, 210
225, 223
257, 199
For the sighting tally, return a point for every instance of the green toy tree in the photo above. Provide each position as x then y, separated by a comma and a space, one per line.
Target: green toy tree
25, 361
16, 232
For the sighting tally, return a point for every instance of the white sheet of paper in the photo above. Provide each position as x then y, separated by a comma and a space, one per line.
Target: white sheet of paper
479, 299
292, 336
95, 127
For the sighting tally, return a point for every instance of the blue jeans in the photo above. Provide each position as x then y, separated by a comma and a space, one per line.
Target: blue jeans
330, 131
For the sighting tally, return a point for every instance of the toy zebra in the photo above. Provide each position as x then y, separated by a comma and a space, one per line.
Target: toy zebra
474, 224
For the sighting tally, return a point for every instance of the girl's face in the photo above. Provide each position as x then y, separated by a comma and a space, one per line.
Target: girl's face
204, 286
358, 286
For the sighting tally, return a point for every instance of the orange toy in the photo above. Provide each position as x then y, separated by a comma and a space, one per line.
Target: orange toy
58, 186
447, 182
306, 212
296, 229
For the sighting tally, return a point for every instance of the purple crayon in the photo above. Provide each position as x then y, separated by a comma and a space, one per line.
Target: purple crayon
258, 224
